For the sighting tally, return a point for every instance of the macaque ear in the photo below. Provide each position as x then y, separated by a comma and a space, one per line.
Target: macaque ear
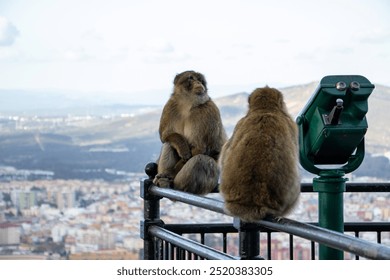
177, 77
249, 98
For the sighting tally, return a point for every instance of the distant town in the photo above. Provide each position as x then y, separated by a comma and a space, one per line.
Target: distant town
74, 219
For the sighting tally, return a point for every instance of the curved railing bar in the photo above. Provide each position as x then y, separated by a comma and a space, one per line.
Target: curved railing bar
326, 237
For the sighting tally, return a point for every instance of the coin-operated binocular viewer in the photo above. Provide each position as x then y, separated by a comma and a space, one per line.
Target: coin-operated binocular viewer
332, 127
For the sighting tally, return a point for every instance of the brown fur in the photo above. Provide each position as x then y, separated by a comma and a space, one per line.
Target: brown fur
259, 163
192, 134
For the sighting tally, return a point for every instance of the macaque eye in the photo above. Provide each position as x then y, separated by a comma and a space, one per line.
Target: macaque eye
190, 81
203, 82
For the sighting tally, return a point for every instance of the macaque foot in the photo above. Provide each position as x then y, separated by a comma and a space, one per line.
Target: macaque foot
163, 180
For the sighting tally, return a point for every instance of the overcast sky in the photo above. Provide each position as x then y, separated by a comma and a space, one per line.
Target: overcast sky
127, 47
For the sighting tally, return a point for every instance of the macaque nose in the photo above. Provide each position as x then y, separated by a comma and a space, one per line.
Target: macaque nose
199, 88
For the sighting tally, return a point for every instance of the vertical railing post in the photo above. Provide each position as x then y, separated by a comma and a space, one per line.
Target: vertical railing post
249, 240
151, 213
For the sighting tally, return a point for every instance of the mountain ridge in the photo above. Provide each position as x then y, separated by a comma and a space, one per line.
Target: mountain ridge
128, 141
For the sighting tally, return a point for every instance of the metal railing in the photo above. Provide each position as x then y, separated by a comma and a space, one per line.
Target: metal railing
168, 241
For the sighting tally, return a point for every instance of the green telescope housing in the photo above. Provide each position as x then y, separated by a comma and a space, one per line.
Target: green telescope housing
333, 123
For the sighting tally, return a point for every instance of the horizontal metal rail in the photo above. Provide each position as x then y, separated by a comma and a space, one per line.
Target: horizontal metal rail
188, 244
201, 228
367, 226
355, 187
324, 236
228, 227
200, 201
350, 187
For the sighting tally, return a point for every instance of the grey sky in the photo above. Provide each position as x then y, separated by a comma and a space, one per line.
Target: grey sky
124, 47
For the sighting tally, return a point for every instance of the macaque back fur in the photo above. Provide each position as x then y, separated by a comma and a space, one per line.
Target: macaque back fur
259, 163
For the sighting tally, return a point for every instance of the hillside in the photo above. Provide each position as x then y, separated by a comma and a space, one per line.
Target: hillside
110, 147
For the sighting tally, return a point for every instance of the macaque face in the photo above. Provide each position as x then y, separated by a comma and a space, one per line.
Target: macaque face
191, 82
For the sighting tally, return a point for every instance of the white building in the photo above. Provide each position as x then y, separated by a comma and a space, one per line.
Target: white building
9, 234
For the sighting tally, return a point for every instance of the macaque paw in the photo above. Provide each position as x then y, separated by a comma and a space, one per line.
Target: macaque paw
163, 180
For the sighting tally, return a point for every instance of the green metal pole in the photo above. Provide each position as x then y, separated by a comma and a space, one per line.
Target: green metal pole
330, 187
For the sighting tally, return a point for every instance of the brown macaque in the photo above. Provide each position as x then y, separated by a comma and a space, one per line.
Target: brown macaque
192, 134
259, 163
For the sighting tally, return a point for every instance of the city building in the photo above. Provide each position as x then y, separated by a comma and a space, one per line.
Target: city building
9, 234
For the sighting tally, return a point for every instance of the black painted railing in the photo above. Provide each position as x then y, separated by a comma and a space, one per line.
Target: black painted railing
171, 241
